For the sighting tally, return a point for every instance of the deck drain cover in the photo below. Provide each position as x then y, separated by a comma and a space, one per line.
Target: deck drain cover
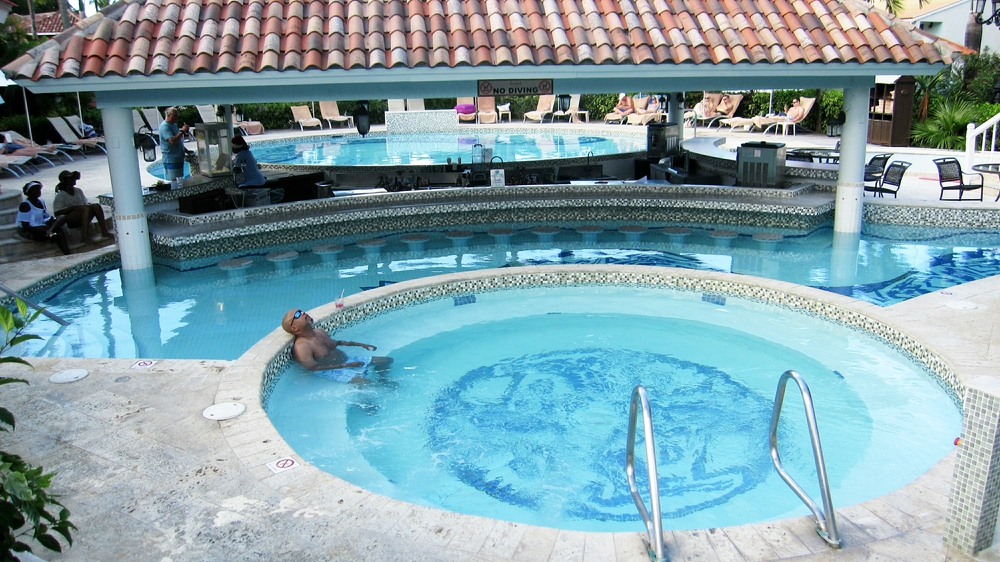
69, 375
961, 305
224, 411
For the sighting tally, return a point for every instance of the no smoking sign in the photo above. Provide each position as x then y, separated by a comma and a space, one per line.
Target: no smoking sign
283, 464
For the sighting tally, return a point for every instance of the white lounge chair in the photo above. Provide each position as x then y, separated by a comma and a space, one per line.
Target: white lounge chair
329, 111
63, 127
415, 104
397, 105
304, 117
545, 105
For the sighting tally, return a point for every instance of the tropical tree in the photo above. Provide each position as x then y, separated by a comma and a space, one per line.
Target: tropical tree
946, 125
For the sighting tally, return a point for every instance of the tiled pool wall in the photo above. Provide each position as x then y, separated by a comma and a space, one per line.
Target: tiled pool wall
401, 295
442, 209
911, 215
103, 262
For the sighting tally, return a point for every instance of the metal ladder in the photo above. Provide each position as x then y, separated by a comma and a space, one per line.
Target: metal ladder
32, 304
826, 523
654, 526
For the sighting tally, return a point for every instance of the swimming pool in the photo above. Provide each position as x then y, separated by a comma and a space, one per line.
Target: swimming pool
513, 404
207, 313
382, 149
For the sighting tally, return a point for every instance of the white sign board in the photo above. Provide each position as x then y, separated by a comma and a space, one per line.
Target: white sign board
497, 178
282, 464
515, 87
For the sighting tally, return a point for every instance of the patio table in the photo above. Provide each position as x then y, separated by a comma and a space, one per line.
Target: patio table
820, 155
989, 168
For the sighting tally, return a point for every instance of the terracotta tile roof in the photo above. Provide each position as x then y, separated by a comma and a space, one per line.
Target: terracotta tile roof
155, 37
48, 23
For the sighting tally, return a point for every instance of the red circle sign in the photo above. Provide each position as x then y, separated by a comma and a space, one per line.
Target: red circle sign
485, 88
285, 463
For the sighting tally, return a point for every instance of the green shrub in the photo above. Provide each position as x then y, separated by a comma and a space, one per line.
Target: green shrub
946, 125
24, 501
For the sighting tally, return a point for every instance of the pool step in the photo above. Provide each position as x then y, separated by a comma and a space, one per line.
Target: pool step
15, 248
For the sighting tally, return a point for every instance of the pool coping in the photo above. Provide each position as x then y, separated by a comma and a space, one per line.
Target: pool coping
918, 506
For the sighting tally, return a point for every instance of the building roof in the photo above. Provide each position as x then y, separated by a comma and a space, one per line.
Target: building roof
348, 48
47, 23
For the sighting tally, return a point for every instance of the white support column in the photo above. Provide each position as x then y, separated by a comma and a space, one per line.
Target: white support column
853, 143
126, 186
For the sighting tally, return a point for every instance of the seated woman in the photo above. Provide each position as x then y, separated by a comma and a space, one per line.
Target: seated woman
242, 157
34, 221
71, 203
724, 108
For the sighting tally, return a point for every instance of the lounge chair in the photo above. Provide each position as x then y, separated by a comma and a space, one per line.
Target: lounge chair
329, 111
71, 137
304, 117
572, 114
397, 105
644, 113
952, 178
735, 100
487, 112
890, 180
15, 165
462, 105
34, 150
207, 113
619, 118
415, 104
784, 123
545, 107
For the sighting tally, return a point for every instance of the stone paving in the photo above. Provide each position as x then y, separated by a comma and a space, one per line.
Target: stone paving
148, 478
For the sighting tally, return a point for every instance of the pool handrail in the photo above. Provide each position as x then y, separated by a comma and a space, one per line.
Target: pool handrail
826, 522
654, 526
32, 304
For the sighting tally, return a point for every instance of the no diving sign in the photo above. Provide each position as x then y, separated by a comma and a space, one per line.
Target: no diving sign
283, 464
515, 87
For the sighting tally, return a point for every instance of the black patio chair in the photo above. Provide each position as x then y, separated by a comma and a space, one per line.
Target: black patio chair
876, 167
890, 180
952, 178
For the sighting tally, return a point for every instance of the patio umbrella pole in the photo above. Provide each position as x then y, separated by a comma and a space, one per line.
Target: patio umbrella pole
27, 116
79, 109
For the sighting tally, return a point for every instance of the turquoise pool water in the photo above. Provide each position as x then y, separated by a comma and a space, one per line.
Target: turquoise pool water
514, 405
208, 313
379, 149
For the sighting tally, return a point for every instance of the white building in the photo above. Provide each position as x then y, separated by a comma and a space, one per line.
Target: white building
948, 18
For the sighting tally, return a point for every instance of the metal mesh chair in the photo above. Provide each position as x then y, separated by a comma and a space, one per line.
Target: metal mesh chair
952, 178
890, 181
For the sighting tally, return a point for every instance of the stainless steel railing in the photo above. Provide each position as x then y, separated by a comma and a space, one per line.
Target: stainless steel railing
826, 523
654, 524
32, 304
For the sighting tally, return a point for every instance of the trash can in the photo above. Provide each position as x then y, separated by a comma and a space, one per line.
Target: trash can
760, 164
663, 140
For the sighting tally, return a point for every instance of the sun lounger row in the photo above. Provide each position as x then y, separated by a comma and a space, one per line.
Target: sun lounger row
70, 128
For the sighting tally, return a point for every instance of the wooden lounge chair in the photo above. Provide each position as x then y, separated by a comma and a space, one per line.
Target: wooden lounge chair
304, 117
952, 178
330, 112
465, 104
890, 181
397, 105
544, 108
415, 104
70, 136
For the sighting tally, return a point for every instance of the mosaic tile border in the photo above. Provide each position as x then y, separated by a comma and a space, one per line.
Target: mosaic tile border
247, 239
909, 215
383, 300
109, 260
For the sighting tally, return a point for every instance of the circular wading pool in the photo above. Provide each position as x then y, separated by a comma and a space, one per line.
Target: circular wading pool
513, 404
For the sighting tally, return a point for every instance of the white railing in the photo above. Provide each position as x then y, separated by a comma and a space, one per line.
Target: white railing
984, 135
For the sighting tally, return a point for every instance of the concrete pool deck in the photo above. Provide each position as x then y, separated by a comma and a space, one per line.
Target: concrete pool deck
147, 477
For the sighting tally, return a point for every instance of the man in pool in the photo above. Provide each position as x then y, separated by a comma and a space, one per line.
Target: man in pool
315, 350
